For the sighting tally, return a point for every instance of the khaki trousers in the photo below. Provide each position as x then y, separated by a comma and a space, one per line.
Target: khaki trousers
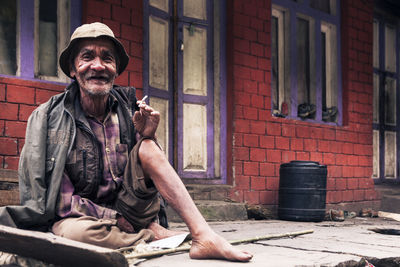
137, 201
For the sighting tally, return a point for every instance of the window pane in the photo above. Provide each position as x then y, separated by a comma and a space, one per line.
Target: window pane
327, 6
375, 141
390, 101
275, 60
376, 44
48, 38
8, 37
390, 48
303, 62
160, 4
390, 154
195, 9
376, 98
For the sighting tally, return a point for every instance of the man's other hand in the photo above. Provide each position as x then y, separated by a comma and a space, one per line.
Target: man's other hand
124, 225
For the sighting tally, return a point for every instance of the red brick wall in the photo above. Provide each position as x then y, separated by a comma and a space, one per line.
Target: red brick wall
261, 142
18, 98
125, 18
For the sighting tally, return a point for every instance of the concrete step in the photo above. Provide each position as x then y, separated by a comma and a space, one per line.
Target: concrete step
390, 197
214, 211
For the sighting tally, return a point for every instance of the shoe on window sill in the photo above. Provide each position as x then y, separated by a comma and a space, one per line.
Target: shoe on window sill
306, 110
329, 114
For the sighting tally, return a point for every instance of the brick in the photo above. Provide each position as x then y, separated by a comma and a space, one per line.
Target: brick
252, 197
250, 140
358, 195
282, 142
303, 132
21, 143
256, 49
114, 26
348, 196
274, 156
135, 64
302, 155
257, 75
242, 72
2, 92
310, 145
352, 183
8, 146
257, 154
251, 87
267, 141
296, 144
20, 94
257, 101
268, 197
8, 111
238, 165
238, 139
137, 18
257, 127
250, 113
267, 169
272, 183
2, 125
43, 96
15, 129
274, 129
121, 14
25, 111
242, 153
329, 134
99, 9
11, 163
288, 130
316, 133
334, 197
236, 195
335, 171
288, 156
316, 156
135, 79
250, 9
242, 126
251, 168
245, 60
242, 182
136, 50
241, 45
257, 183
242, 20
329, 158
324, 146
131, 33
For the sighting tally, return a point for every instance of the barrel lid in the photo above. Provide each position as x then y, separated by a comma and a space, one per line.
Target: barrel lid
302, 163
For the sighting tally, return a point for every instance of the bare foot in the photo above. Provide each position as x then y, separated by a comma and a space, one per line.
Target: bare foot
215, 247
161, 232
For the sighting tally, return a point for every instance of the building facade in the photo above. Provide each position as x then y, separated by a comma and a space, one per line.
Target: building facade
242, 86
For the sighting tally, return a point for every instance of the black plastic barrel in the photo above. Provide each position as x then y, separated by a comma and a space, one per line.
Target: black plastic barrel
302, 191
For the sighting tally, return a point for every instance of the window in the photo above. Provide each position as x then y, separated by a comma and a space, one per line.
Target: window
8, 37
305, 52
184, 77
35, 56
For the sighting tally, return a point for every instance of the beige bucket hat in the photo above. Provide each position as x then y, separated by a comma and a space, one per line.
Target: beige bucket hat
93, 30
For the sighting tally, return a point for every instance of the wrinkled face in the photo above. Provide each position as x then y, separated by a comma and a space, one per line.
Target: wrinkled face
95, 66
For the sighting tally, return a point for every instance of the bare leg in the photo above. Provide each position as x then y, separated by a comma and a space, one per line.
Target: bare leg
206, 243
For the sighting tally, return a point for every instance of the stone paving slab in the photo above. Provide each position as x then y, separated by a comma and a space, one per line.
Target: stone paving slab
330, 244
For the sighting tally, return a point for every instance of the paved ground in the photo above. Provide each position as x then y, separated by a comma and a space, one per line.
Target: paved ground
331, 243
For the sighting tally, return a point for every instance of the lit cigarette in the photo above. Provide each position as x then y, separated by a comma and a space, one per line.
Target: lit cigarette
143, 99
141, 102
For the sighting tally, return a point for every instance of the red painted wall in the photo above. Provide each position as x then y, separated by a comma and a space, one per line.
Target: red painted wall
258, 142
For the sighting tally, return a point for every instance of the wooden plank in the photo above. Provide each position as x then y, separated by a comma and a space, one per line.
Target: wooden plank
57, 250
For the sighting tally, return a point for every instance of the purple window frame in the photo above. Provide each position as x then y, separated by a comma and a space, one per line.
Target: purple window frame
27, 36
176, 121
304, 7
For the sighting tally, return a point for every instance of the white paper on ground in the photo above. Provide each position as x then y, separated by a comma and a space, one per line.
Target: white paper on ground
169, 242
